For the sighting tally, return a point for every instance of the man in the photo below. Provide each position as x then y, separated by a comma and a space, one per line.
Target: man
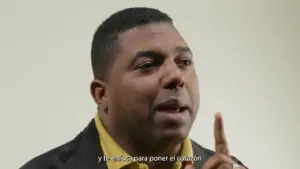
146, 90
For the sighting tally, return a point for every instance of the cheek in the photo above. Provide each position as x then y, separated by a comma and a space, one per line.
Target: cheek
196, 96
193, 89
143, 90
136, 94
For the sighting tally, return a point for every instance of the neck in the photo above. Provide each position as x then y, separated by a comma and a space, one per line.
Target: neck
166, 155
163, 150
143, 148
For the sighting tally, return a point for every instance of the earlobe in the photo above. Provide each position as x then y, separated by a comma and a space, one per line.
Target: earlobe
99, 92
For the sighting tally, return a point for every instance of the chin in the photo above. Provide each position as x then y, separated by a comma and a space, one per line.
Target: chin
173, 135
168, 139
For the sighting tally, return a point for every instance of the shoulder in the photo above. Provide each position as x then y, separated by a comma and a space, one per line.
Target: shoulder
207, 153
50, 159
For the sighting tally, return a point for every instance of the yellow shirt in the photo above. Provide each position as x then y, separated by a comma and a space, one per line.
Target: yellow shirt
112, 150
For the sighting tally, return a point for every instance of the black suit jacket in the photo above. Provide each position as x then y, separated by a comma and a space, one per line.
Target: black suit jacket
83, 151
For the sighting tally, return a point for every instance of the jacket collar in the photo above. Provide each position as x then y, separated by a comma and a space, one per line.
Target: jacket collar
88, 151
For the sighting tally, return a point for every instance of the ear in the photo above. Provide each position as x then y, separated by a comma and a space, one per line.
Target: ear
98, 91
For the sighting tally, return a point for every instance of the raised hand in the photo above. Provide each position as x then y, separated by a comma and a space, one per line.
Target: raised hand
221, 159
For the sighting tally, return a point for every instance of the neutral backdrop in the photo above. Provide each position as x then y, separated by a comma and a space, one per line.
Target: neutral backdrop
247, 57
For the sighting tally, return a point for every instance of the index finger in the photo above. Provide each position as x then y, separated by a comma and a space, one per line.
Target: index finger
221, 145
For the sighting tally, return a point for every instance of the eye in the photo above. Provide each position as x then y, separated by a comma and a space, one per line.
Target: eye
146, 66
185, 63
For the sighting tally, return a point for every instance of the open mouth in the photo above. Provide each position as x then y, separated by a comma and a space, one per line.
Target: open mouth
172, 109
171, 106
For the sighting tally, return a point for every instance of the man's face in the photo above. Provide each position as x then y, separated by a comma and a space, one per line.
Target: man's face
153, 90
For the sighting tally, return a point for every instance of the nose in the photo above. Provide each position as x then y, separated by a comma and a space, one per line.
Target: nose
173, 77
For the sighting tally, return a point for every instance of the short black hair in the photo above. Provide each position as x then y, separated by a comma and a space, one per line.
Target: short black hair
104, 44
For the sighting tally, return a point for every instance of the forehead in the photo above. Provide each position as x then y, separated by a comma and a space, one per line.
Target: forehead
156, 36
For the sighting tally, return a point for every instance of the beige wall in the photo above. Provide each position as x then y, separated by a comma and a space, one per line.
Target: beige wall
247, 55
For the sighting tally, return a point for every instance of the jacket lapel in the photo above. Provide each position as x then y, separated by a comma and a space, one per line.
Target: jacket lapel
88, 152
199, 152
86, 156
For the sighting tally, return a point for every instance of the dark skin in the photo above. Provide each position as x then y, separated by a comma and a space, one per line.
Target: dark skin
153, 64
221, 159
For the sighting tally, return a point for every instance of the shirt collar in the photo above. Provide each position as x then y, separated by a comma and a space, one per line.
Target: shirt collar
112, 149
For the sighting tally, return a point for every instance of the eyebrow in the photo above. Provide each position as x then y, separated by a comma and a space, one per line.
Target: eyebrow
183, 49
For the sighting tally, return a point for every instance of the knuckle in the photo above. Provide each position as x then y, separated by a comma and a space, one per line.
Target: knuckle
218, 155
219, 158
